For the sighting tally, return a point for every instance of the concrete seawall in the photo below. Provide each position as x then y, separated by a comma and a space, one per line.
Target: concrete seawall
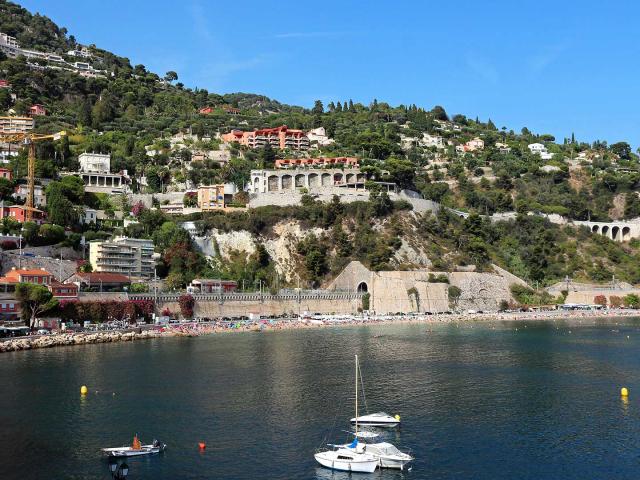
242, 304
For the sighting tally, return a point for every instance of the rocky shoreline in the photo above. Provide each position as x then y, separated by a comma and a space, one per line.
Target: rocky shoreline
48, 341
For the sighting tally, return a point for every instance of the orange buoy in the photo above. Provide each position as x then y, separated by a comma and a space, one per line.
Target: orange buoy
202, 445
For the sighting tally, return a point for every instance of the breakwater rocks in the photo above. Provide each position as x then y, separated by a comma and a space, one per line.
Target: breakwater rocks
47, 341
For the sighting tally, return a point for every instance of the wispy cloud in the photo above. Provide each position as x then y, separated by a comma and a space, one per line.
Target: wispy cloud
308, 34
227, 67
219, 74
482, 68
199, 21
541, 60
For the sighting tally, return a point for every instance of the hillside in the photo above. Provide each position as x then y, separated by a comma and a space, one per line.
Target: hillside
467, 164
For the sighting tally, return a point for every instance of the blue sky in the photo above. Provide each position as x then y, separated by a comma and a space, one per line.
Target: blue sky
555, 67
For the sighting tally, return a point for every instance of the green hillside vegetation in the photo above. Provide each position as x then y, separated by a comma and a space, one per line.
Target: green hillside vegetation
131, 108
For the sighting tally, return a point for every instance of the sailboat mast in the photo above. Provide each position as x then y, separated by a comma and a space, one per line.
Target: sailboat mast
356, 396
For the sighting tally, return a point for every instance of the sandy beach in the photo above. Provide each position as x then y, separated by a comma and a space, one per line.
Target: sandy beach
194, 329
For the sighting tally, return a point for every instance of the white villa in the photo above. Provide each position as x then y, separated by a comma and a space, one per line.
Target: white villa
540, 149
319, 136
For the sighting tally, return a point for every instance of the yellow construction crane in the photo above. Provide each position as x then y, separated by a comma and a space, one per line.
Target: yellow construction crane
29, 139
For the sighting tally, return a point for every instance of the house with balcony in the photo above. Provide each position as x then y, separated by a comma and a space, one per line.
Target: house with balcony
95, 171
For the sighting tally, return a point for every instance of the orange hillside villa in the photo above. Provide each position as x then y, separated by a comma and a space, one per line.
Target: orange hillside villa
280, 137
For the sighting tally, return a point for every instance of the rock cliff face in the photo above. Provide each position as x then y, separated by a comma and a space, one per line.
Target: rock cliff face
281, 244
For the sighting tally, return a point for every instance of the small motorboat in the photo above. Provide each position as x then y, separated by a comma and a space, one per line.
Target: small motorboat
136, 449
379, 419
387, 454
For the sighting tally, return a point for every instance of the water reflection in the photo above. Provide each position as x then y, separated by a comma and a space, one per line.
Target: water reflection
483, 403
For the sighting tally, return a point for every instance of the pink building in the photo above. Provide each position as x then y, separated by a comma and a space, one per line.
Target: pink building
280, 137
37, 109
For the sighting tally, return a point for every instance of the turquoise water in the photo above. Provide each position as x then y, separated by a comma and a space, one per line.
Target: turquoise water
477, 402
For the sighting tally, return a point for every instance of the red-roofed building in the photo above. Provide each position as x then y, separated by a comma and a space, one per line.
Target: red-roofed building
205, 110
350, 162
280, 137
19, 213
37, 109
63, 290
100, 281
231, 110
5, 173
4, 84
41, 277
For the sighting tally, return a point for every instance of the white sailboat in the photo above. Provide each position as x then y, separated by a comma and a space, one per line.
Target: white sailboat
387, 454
348, 458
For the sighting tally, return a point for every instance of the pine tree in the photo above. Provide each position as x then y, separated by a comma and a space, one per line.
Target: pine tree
350, 105
338, 107
84, 115
318, 108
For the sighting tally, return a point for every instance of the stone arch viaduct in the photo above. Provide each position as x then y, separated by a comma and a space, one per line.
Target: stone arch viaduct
263, 181
617, 231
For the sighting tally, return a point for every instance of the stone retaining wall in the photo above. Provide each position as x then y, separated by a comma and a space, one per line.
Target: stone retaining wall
242, 304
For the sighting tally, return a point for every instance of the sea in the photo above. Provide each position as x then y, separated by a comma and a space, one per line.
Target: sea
493, 400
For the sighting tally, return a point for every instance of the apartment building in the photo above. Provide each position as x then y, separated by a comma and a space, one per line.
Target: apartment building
280, 137
9, 45
133, 257
16, 124
213, 197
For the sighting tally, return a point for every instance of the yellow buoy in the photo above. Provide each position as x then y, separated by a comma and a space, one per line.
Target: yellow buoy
397, 417
624, 392
84, 390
